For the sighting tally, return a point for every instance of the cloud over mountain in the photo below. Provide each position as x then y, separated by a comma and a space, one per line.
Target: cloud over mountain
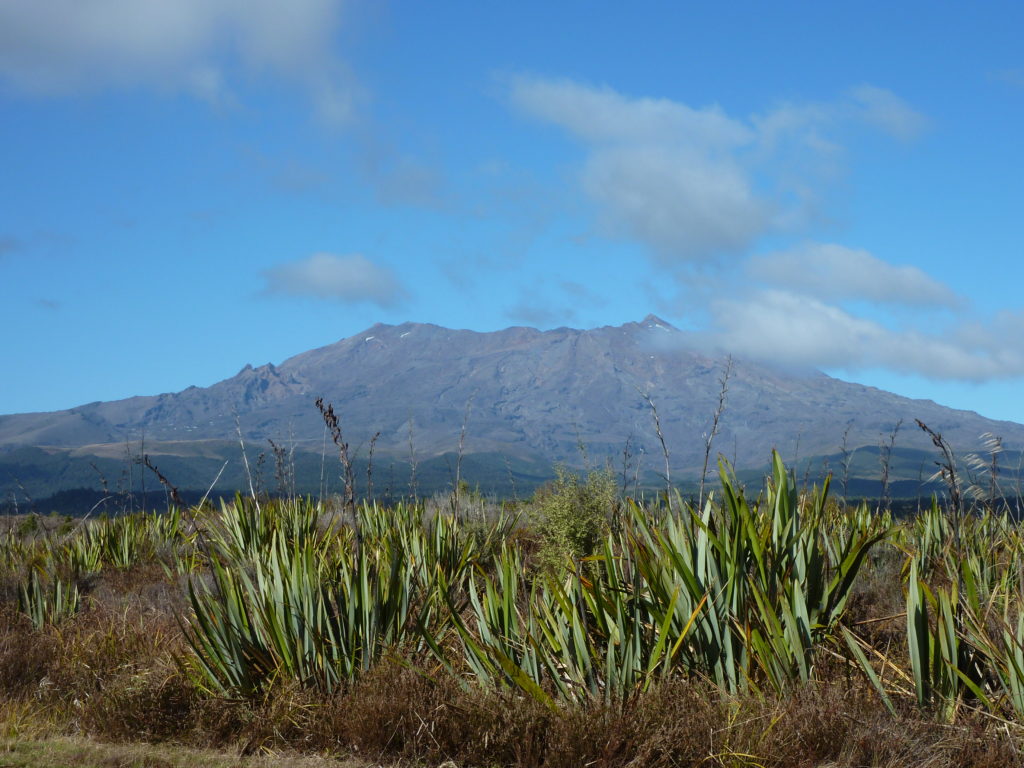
349, 279
792, 328
700, 188
834, 272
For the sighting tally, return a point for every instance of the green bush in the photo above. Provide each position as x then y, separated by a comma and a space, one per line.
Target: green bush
29, 525
572, 515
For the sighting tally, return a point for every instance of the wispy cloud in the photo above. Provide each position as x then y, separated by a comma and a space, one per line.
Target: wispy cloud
1014, 77
833, 272
884, 109
540, 314
9, 245
581, 294
396, 177
299, 178
348, 279
465, 270
554, 303
65, 46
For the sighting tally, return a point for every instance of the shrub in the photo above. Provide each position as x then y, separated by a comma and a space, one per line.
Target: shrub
572, 515
29, 525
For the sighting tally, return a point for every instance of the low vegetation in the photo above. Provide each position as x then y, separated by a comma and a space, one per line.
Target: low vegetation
764, 627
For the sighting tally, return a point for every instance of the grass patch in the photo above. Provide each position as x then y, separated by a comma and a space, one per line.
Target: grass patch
69, 752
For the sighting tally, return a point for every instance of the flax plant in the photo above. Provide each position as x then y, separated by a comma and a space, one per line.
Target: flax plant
47, 603
741, 593
310, 606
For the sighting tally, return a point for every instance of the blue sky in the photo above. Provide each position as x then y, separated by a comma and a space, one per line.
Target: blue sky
192, 185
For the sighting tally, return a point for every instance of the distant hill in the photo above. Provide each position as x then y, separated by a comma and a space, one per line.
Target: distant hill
528, 399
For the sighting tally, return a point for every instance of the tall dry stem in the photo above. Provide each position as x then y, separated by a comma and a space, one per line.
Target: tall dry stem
709, 437
458, 461
245, 461
334, 427
664, 447
413, 464
369, 468
885, 457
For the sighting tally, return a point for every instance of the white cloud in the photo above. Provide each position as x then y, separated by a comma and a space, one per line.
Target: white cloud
1004, 332
683, 204
661, 172
836, 273
787, 328
60, 46
349, 279
699, 186
696, 184
808, 124
603, 115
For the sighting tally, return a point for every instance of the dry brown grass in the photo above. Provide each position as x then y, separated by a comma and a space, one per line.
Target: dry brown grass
112, 676
84, 753
26, 656
396, 714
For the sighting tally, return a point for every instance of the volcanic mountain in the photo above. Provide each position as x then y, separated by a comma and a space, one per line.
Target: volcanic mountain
530, 397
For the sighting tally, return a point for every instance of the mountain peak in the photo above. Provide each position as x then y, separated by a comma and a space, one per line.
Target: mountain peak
376, 328
654, 321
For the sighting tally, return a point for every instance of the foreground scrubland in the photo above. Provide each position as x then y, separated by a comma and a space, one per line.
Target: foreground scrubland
760, 627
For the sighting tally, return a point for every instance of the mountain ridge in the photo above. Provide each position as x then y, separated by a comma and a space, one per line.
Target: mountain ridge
522, 392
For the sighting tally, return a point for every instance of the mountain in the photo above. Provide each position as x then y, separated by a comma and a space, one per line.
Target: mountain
533, 397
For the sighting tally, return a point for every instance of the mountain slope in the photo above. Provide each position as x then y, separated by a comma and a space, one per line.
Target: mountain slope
522, 393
